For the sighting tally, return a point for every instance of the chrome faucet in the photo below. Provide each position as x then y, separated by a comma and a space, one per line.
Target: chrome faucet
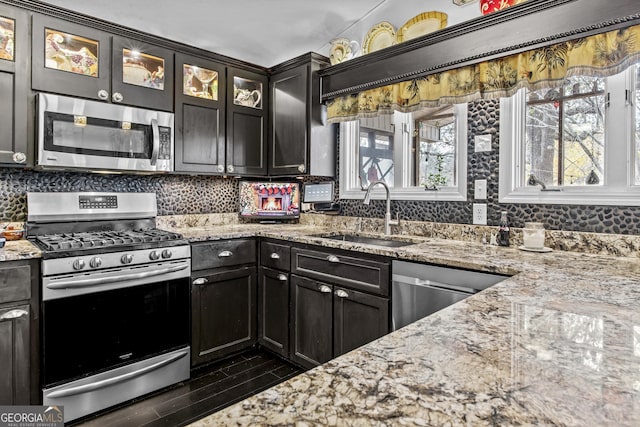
388, 222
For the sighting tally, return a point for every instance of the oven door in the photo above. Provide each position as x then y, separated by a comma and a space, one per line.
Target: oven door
74, 133
94, 332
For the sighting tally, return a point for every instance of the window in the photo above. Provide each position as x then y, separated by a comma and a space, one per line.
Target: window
577, 144
420, 155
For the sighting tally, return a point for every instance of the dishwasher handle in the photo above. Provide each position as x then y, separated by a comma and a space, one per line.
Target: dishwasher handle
432, 284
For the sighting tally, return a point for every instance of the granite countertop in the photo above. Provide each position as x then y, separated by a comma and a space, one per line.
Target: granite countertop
558, 343
15, 250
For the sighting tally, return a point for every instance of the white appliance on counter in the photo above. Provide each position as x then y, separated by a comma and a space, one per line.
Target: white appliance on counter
76, 133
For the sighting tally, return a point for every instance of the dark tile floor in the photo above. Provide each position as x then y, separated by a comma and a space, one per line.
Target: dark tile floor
208, 391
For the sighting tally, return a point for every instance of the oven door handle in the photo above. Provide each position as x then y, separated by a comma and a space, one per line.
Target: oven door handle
156, 142
115, 380
79, 283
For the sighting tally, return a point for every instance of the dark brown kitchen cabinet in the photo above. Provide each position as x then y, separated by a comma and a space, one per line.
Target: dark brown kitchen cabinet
339, 301
19, 340
247, 105
14, 87
311, 322
73, 59
358, 318
300, 140
368, 273
223, 298
328, 321
273, 311
14, 357
199, 115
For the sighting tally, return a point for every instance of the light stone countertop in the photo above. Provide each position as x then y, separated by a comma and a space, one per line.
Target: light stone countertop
16, 250
558, 343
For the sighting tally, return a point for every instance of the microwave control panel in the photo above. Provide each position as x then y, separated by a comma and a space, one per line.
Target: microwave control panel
164, 152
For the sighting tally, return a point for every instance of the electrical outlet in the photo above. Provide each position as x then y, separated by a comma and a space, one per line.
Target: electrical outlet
482, 143
480, 189
480, 213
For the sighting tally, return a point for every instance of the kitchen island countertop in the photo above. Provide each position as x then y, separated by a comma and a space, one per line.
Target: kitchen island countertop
558, 343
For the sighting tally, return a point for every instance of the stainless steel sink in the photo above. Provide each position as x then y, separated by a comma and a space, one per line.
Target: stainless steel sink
388, 242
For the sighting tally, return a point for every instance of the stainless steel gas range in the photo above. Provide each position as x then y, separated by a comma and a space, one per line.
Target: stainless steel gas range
115, 299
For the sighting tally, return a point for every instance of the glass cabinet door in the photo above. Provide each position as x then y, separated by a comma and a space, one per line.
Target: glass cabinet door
246, 122
71, 59
14, 87
7, 38
142, 74
199, 115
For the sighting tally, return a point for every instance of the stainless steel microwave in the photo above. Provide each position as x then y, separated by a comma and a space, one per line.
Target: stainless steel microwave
76, 133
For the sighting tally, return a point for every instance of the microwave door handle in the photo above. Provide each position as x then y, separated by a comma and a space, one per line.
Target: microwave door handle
156, 142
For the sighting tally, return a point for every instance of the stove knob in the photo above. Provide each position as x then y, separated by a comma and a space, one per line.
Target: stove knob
78, 264
154, 255
95, 262
126, 259
166, 253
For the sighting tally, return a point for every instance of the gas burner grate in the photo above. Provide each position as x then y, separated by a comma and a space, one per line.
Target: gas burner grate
89, 240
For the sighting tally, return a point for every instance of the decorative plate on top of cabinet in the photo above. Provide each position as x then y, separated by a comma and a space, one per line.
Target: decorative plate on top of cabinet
421, 24
379, 36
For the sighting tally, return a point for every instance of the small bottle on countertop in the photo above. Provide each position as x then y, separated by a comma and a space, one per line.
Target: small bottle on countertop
503, 230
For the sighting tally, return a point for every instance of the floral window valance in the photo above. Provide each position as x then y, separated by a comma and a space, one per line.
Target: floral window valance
598, 55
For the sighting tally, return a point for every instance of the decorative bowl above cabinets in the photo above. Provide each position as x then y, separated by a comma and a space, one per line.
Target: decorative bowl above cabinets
72, 59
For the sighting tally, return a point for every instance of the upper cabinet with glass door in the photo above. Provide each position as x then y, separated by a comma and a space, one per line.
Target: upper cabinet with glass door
75, 60
14, 57
199, 115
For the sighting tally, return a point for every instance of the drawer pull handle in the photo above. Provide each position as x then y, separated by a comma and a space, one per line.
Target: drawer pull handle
333, 258
342, 294
325, 289
282, 277
225, 254
13, 314
201, 281
275, 255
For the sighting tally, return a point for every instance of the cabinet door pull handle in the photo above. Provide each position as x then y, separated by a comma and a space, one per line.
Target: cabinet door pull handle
333, 258
200, 281
117, 97
282, 277
275, 255
225, 254
342, 294
103, 94
13, 314
325, 289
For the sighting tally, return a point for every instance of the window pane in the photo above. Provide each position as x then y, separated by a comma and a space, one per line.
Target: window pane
583, 131
541, 142
375, 157
571, 153
436, 157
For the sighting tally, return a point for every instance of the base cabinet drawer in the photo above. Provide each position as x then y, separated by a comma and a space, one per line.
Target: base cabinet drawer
222, 253
345, 270
223, 310
275, 255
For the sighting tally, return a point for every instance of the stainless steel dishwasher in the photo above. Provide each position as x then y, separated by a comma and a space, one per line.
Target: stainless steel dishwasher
419, 290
